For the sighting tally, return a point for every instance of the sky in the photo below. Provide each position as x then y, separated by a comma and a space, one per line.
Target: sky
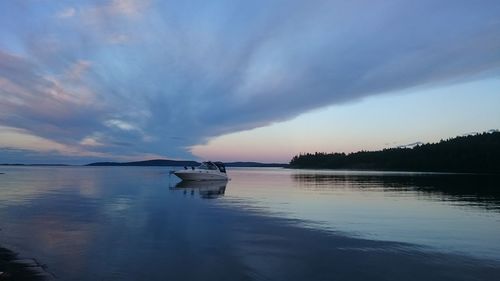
123, 80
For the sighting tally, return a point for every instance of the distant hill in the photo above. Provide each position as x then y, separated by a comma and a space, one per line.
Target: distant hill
255, 164
174, 163
470, 153
154, 162
35, 165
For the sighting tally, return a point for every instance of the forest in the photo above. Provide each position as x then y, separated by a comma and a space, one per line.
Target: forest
478, 153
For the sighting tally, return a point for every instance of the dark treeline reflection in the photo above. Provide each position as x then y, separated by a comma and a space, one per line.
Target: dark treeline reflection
481, 190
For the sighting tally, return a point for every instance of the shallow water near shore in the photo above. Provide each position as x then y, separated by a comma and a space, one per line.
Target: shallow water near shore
140, 223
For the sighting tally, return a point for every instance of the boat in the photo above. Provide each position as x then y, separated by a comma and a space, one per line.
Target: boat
206, 171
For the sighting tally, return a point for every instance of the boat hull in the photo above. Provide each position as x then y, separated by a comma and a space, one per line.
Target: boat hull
198, 175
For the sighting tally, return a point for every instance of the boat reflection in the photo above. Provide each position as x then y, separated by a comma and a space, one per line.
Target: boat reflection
205, 189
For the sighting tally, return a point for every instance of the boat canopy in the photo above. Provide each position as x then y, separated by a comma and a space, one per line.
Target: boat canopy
213, 166
221, 166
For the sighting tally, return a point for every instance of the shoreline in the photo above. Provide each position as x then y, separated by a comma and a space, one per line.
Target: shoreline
396, 171
16, 269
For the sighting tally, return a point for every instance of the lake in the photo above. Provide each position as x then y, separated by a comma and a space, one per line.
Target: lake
140, 223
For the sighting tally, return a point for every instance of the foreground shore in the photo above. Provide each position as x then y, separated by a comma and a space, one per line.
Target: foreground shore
11, 268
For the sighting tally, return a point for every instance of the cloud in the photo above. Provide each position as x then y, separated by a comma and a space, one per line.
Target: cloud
91, 141
41, 103
118, 39
163, 76
78, 69
122, 125
66, 13
18, 139
127, 7
104, 12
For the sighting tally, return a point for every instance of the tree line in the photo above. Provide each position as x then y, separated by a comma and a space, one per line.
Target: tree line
472, 153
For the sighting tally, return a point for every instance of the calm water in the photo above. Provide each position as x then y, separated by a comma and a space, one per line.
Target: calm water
134, 223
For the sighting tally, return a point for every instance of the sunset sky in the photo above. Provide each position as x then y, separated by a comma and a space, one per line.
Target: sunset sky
84, 81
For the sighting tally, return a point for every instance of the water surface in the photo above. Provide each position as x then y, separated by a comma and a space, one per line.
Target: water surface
139, 223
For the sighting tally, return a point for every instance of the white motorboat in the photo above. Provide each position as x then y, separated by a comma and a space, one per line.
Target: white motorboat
206, 171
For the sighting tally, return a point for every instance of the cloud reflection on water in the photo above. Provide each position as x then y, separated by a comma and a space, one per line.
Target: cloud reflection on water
134, 227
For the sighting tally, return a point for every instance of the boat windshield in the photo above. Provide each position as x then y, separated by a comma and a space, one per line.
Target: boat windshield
221, 166
208, 166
